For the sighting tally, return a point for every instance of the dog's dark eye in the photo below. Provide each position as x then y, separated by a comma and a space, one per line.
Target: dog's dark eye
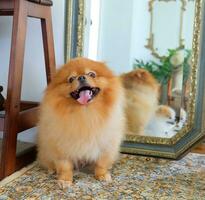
91, 74
71, 79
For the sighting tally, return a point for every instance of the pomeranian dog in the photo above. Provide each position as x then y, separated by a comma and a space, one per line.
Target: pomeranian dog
162, 123
141, 90
81, 120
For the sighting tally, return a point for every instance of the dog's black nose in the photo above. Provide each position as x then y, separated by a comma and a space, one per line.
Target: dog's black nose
82, 78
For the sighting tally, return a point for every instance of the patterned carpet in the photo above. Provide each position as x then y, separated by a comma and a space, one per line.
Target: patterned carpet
134, 177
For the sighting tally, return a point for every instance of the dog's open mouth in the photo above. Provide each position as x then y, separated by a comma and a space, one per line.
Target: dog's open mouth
85, 94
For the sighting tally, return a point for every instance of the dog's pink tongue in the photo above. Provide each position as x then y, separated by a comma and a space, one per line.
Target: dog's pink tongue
85, 96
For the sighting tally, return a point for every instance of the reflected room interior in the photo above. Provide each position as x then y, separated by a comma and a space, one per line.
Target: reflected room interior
160, 44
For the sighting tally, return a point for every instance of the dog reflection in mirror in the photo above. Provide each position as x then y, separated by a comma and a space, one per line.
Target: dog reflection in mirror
164, 122
142, 91
144, 115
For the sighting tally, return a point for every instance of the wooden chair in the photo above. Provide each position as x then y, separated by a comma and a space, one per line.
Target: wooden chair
20, 116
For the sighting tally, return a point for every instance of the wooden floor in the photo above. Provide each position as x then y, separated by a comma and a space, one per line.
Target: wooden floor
200, 148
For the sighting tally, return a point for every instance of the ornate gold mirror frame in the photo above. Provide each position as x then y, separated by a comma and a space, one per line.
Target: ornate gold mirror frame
194, 127
74, 28
151, 40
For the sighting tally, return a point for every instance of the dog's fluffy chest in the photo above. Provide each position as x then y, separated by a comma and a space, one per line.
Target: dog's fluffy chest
87, 138
82, 136
86, 147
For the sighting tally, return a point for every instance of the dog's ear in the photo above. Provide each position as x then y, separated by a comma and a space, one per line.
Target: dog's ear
140, 73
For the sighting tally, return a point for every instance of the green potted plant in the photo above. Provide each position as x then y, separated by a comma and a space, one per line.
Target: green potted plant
176, 59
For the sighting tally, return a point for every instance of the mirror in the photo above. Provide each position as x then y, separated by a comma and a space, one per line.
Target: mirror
158, 42
176, 21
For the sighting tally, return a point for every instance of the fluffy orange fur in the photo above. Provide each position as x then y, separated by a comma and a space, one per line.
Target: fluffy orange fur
141, 99
164, 110
69, 133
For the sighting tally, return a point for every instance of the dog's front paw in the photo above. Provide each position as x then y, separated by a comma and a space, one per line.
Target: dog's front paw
104, 177
64, 184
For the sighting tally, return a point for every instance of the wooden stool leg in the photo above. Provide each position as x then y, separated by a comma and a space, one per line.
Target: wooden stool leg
8, 159
48, 43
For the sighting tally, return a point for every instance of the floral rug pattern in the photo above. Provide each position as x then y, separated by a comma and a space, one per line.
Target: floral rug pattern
134, 177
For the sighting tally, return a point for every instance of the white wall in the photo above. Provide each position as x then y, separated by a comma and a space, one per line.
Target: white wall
125, 26
123, 32
34, 80
115, 35
166, 27
140, 32
188, 28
